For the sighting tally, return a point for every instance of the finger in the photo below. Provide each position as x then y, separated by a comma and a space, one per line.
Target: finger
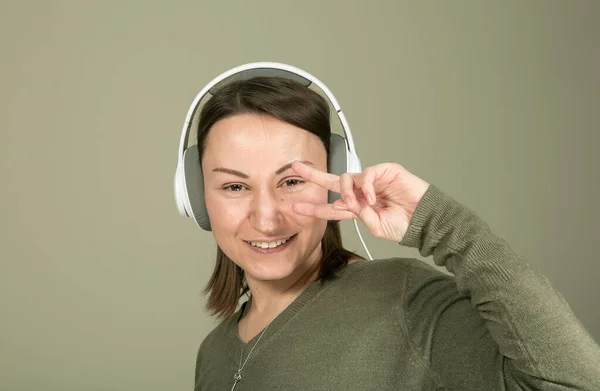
323, 179
322, 211
357, 205
365, 182
339, 205
370, 219
347, 191
367, 215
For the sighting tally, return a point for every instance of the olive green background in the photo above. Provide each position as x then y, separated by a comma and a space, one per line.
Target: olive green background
497, 103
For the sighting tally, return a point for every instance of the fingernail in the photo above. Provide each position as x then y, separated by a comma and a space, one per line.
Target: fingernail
339, 207
347, 200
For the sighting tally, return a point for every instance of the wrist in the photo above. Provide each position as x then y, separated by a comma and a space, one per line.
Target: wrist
416, 196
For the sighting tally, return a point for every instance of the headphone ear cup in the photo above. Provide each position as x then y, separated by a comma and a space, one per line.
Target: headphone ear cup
194, 187
180, 194
337, 163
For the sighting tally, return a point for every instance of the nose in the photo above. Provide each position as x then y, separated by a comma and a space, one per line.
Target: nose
266, 214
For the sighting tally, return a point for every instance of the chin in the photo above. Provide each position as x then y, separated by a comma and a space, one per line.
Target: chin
271, 268
269, 275
274, 264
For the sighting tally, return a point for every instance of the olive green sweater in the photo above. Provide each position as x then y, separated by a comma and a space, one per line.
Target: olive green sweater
400, 324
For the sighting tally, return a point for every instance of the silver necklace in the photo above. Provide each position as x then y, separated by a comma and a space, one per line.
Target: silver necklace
238, 375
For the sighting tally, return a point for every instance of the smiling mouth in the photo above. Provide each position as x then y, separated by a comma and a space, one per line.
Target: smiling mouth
270, 246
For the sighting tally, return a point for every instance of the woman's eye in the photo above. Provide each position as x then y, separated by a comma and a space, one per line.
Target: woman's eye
235, 187
293, 182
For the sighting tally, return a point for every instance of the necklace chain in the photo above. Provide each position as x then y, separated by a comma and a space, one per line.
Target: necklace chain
238, 375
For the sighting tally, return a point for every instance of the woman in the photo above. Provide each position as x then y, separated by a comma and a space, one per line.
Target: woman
321, 318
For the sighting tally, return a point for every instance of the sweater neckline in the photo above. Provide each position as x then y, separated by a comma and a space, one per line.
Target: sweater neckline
236, 343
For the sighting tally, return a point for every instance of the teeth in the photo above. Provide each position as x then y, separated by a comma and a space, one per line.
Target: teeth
269, 244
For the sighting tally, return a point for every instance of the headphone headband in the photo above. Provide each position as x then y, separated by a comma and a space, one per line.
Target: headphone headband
254, 69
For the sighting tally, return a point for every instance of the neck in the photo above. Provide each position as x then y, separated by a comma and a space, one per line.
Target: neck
269, 298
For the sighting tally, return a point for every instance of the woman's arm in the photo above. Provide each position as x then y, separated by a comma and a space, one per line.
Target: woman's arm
516, 326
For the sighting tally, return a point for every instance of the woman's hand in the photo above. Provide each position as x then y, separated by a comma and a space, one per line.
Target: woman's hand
384, 197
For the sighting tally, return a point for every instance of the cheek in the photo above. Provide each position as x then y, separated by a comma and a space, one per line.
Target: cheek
224, 214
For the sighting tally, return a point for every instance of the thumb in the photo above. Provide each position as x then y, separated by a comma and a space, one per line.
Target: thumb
339, 205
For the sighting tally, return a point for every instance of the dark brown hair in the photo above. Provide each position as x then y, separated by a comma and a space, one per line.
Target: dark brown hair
291, 102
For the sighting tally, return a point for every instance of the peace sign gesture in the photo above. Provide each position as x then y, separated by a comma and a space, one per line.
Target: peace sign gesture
384, 197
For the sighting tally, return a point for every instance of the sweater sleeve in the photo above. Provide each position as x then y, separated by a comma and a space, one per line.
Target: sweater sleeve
498, 323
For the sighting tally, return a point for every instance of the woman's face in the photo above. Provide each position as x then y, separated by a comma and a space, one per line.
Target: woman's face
250, 189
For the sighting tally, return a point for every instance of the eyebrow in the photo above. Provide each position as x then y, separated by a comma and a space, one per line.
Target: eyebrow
245, 176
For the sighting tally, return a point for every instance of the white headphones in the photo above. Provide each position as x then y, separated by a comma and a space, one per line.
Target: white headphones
189, 182
189, 186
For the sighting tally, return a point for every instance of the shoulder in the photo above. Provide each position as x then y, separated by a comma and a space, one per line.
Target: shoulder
405, 280
214, 341
220, 332
394, 270
415, 285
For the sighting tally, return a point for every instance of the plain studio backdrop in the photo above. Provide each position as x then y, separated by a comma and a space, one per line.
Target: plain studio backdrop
497, 103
